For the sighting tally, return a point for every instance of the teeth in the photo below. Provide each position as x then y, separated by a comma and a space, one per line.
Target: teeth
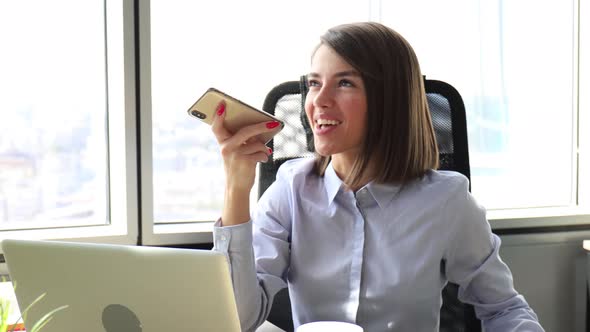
327, 122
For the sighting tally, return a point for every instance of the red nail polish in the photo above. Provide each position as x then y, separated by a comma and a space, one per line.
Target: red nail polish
221, 108
269, 151
272, 124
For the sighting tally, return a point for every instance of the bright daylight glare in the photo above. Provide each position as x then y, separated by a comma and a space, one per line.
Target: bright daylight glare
499, 65
518, 93
53, 144
242, 55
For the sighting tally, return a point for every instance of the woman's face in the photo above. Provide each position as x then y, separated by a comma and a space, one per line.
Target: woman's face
336, 105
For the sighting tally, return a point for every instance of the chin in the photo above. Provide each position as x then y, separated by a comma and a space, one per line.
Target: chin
326, 148
323, 154
323, 151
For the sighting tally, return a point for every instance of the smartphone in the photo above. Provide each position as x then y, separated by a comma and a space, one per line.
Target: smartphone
238, 114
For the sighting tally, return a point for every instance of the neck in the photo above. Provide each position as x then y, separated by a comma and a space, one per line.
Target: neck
343, 164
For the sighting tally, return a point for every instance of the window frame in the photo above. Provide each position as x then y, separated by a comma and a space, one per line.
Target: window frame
576, 216
130, 164
151, 232
583, 102
509, 220
122, 223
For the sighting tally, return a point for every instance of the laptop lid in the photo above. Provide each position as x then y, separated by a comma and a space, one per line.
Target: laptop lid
118, 288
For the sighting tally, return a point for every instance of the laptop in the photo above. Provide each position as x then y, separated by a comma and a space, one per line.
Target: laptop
119, 288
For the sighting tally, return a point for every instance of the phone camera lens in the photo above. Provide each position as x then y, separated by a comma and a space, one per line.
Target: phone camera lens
198, 114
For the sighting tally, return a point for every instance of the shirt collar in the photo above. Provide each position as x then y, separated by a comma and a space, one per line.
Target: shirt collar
332, 182
382, 193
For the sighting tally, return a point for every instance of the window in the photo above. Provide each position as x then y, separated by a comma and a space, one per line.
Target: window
69, 142
519, 83
61, 106
245, 55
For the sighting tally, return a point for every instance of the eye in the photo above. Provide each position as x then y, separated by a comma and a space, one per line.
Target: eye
345, 83
312, 83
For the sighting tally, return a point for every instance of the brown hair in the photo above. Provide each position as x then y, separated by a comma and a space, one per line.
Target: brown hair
399, 140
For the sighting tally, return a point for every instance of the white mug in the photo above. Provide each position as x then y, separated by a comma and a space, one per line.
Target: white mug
328, 326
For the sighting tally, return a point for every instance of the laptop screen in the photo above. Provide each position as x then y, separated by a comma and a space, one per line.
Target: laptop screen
118, 288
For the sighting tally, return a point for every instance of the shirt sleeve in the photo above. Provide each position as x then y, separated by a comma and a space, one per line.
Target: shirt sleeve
258, 254
473, 262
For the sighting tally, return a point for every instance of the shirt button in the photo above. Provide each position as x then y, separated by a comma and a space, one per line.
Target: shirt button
223, 238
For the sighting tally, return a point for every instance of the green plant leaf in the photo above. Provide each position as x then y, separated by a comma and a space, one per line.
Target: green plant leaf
41, 322
5, 307
46, 318
23, 314
5, 311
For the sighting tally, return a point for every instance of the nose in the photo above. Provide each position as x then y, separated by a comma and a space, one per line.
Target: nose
324, 97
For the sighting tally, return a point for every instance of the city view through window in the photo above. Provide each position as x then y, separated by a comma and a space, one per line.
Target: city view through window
53, 144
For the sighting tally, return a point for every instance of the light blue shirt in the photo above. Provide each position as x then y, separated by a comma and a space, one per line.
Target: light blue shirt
378, 257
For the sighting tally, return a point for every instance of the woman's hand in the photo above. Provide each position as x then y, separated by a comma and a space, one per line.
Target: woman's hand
241, 151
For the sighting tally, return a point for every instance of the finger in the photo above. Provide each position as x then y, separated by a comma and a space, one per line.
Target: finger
261, 154
261, 157
244, 150
220, 132
253, 148
248, 133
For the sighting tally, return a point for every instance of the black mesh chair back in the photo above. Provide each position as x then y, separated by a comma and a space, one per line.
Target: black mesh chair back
447, 112
296, 140
286, 102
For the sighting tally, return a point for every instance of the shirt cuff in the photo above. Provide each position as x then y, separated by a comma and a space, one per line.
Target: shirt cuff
235, 238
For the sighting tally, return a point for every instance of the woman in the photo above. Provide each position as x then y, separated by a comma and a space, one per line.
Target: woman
369, 232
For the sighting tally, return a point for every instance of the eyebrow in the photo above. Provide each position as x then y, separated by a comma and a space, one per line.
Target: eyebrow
338, 74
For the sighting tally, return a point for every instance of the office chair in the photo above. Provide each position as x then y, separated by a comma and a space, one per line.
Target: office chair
296, 140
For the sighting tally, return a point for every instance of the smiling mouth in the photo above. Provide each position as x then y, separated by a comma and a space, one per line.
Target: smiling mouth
322, 123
